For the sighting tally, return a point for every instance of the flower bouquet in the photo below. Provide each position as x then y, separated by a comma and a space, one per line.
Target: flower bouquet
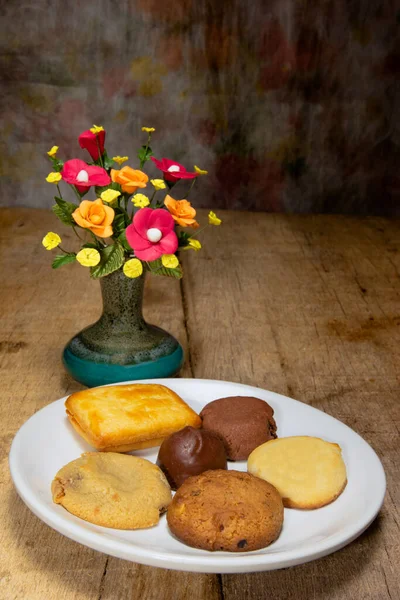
123, 233
129, 230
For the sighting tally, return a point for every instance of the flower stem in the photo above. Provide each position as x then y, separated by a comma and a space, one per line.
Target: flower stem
77, 234
145, 152
199, 231
98, 146
190, 189
77, 193
59, 191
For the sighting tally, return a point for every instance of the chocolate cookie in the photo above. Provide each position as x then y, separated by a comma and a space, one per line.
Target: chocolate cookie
242, 422
226, 510
190, 452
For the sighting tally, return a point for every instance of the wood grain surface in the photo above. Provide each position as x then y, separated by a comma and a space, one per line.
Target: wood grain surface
304, 306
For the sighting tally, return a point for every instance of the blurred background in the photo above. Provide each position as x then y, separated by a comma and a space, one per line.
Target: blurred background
291, 105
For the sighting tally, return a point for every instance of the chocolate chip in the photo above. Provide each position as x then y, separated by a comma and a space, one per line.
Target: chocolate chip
242, 544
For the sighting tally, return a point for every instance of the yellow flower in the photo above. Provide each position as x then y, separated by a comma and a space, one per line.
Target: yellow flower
193, 244
133, 268
213, 219
158, 184
200, 171
53, 177
53, 151
88, 257
120, 159
169, 261
148, 129
140, 200
51, 240
96, 129
109, 196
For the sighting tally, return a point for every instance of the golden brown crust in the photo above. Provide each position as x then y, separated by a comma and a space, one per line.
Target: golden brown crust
112, 490
226, 510
307, 471
128, 417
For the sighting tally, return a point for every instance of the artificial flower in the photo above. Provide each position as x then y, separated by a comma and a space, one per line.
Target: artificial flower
182, 212
140, 200
95, 216
96, 129
151, 234
200, 171
120, 159
169, 261
158, 184
133, 268
129, 179
172, 170
51, 240
93, 142
192, 245
88, 257
148, 129
82, 176
213, 219
53, 177
109, 195
53, 151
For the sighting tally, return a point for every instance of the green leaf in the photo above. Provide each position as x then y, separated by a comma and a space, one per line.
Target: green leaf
183, 238
156, 267
107, 162
144, 154
63, 259
63, 210
124, 242
112, 258
118, 224
57, 164
112, 186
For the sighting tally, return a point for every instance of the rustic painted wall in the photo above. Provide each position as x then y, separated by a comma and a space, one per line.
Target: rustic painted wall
291, 105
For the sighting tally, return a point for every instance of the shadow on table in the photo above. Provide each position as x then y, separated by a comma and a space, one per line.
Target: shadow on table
69, 567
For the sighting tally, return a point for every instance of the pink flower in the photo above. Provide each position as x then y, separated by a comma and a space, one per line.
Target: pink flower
152, 234
172, 170
82, 176
88, 141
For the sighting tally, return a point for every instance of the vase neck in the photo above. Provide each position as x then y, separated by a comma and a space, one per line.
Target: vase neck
122, 298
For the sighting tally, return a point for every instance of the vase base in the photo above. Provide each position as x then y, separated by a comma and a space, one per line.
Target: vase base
93, 374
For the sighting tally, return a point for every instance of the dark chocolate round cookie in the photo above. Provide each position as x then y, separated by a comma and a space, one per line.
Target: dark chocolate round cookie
242, 422
190, 452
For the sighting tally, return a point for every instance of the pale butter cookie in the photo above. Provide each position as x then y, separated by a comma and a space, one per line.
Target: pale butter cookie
308, 472
112, 490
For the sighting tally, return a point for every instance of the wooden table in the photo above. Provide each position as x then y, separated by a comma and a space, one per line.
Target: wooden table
307, 306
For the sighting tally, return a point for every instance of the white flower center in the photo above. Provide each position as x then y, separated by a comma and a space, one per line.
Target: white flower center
83, 176
173, 169
154, 235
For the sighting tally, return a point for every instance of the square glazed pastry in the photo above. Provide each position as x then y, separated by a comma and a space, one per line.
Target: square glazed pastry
128, 417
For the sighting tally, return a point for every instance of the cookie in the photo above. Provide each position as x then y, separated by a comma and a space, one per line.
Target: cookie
308, 472
226, 510
112, 490
242, 422
121, 418
190, 452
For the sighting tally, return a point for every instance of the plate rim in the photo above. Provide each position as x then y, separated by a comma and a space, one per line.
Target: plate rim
202, 563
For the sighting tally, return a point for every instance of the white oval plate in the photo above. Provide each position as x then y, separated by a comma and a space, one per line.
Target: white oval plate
46, 442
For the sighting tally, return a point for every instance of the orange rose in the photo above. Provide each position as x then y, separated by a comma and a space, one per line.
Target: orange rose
182, 212
129, 179
95, 216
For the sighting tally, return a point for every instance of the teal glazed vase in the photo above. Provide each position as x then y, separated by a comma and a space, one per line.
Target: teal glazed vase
121, 346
